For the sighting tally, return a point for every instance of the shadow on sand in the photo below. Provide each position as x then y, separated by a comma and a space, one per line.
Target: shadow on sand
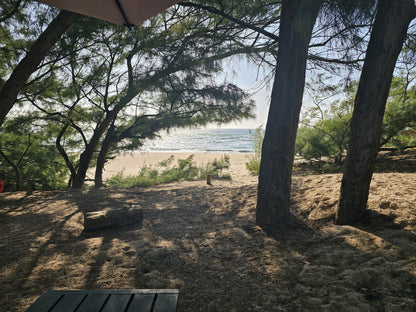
203, 240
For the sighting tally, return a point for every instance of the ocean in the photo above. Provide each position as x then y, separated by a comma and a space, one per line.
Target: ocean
202, 141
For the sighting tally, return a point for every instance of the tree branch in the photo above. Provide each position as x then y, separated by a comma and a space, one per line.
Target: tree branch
232, 19
312, 57
12, 12
62, 150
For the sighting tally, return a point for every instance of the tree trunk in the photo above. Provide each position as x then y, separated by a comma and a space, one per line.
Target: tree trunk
297, 20
84, 163
387, 37
87, 155
31, 61
102, 156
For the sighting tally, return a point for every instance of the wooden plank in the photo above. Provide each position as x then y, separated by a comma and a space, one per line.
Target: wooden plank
166, 303
130, 300
116, 302
68, 303
141, 303
93, 303
119, 291
44, 302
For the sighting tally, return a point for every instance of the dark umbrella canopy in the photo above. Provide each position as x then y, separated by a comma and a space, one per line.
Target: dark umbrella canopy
121, 12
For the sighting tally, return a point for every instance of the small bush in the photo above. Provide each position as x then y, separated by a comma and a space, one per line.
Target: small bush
165, 172
332, 168
253, 164
217, 169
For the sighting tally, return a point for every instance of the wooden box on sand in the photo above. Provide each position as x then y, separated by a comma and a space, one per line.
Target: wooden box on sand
112, 218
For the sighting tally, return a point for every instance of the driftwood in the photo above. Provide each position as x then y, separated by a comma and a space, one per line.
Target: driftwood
112, 218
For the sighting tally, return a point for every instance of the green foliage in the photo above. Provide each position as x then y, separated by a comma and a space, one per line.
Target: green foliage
165, 172
28, 160
311, 144
326, 137
253, 165
332, 168
324, 133
399, 123
217, 169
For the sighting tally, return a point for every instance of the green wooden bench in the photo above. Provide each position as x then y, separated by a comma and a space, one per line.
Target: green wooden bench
135, 300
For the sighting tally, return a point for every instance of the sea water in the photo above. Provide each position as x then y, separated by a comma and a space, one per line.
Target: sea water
202, 141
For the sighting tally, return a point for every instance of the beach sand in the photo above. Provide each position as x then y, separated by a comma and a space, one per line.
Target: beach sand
203, 240
130, 163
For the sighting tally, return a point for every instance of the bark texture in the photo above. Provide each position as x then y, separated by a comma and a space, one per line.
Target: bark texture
102, 156
387, 37
297, 20
88, 153
31, 61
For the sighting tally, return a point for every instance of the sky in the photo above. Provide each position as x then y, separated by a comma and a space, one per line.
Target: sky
253, 81
258, 83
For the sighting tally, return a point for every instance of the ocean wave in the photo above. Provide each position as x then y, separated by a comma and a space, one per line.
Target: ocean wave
203, 141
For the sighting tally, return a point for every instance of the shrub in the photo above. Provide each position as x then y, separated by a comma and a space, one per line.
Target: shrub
28, 158
253, 165
165, 172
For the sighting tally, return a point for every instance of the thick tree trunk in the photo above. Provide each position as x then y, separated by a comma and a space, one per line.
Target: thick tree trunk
388, 34
102, 156
31, 61
297, 20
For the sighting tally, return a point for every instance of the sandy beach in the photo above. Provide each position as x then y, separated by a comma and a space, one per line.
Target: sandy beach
202, 239
130, 163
